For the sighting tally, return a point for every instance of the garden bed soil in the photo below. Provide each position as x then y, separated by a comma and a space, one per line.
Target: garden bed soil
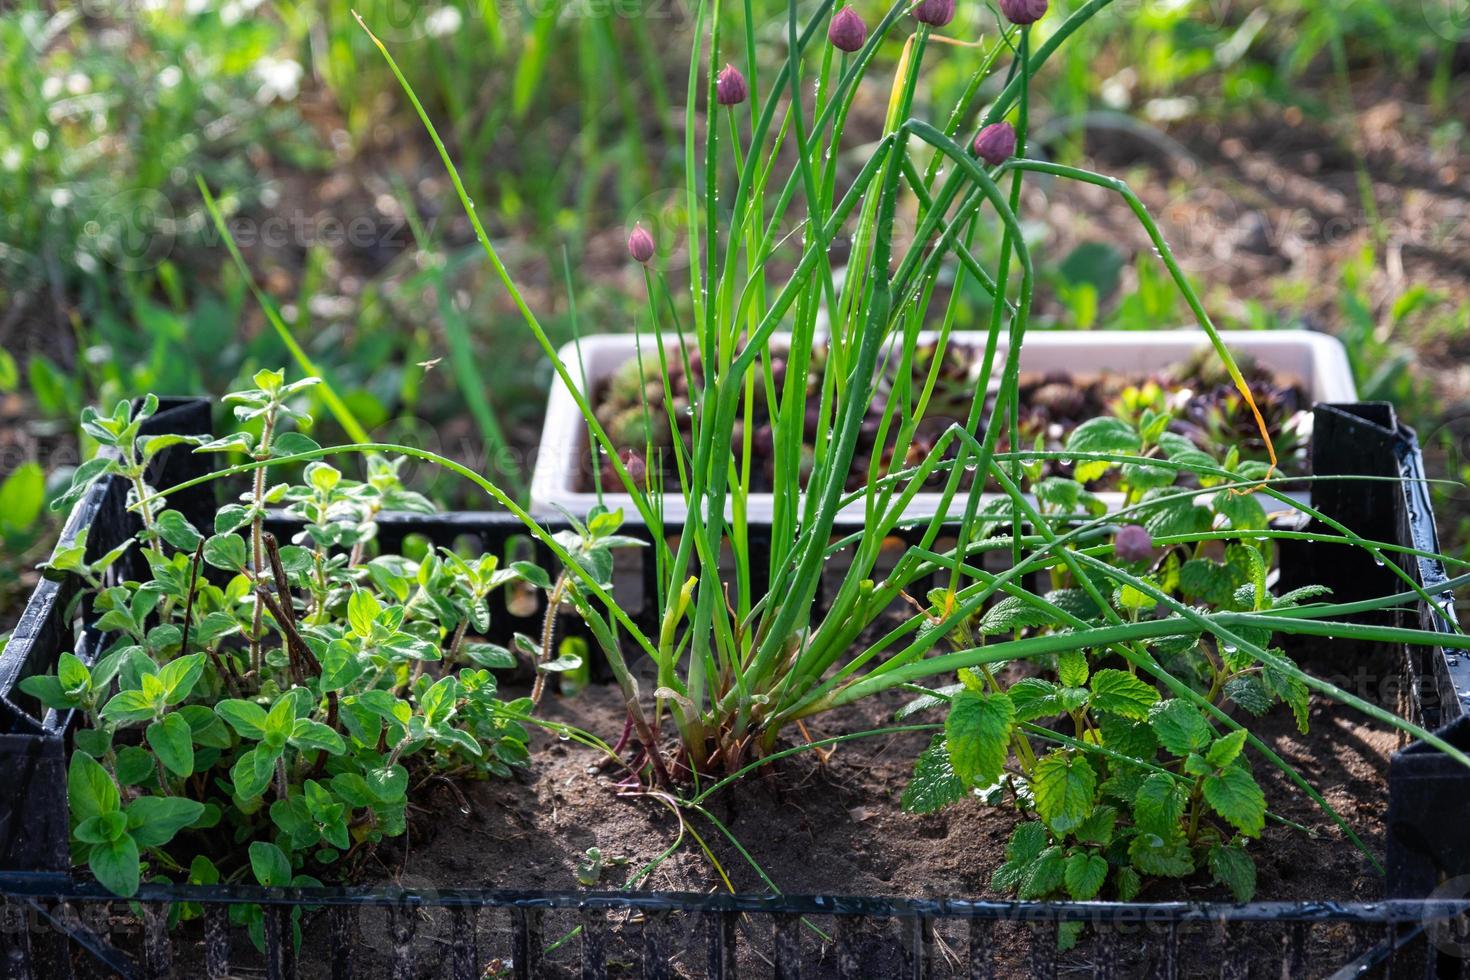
837, 828
1208, 407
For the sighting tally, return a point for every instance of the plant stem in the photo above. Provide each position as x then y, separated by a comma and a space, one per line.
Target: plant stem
548, 632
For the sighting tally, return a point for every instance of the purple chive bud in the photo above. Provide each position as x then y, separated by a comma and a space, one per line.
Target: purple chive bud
995, 143
847, 32
935, 13
1133, 543
640, 244
1023, 11
730, 86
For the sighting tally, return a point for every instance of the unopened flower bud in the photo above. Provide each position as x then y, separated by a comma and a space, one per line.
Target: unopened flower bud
935, 13
847, 32
730, 88
640, 245
1133, 543
995, 143
1023, 11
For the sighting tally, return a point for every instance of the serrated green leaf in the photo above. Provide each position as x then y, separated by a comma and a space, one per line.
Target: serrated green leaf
1072, 668
1180, 727
1250, 693
977, 733
1206, 580
1233, 868
1027, 841
1242, 510
1104, 434
1044, 875
1166, 857
1158, 805
1012, 613
1033, 698
1064, 785
934, 783
1075, 602
1291, 689
1121, 693
1127, 883
1234, 795
1300, 595
1098, 827
1226, 748
1084, 875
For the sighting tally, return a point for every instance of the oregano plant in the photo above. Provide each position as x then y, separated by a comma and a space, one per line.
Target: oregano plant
262, 710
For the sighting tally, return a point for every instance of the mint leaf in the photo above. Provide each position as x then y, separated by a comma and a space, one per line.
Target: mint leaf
1104, 434
1045, 875
1027, 840
1033, 698
1013, 613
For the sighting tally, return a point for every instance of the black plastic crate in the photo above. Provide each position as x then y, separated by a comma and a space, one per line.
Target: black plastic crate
709, 934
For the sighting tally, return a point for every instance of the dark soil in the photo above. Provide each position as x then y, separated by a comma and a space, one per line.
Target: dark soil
634, 406
836, 828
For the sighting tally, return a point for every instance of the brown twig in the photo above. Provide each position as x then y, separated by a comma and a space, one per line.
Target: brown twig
283, 589
222, 663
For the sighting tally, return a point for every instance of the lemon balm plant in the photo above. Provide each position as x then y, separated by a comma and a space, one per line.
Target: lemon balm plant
767, 200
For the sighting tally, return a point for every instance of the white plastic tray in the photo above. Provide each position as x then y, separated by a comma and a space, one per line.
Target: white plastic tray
1316, 360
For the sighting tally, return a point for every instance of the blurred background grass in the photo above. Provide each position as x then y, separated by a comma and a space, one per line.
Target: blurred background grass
1309, 161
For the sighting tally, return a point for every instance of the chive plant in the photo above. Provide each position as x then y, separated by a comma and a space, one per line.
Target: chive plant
736, 666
